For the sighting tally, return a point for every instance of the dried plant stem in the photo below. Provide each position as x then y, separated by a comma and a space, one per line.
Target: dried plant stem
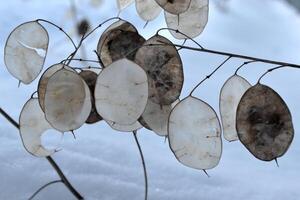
208, 76
143, 162
63, 178
61, 29
43, 187
238, 56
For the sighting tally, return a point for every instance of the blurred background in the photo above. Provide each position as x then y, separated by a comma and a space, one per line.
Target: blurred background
104, 164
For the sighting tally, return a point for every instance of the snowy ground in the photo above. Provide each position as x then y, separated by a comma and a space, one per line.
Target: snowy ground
104, 164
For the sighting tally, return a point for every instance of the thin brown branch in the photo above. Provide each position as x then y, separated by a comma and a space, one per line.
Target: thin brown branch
59, 28
143, 162
43, 187
233, 55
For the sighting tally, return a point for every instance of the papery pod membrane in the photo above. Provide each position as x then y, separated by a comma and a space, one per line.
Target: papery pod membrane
175, 7
67, 101
144, 124
125, 128
32, 125
90, 78
120, 40
121, 25
25, 51
264, 123
230, 96
192, 22
156, 117
122, 4
194, 134
163, 65
44, 81
147, 9
121, 92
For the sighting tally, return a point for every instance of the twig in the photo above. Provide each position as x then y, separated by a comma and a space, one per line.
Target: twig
275, 68
208, 76
237, 56
61, 29
143, 162
43, 187
63, 178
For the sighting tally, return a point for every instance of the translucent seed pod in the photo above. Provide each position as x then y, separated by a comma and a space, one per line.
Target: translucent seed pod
67, 101
195, 134
25, 51
230, 96
192, 22
121, 92
32, 125
175, 7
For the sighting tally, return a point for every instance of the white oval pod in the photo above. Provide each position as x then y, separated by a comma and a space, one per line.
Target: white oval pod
192, 22
147, 9
32, 125
195, 134
124, 128
230, 96
25, 51
121, 92
175, 6
156, 117
67, 101
44, 81
122, 4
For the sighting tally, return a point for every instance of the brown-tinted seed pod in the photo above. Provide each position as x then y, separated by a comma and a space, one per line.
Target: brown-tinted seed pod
83, 27
67, 101
90, 78
264, 123
44, 81
156, 117
163, 65
25, 51
120, 40
174, 6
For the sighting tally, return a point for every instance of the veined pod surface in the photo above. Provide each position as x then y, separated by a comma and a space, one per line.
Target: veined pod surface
67, 101
194, 134
163, 65
264, 123
121, 92
192, 22
230, 96
25, 51
32, 125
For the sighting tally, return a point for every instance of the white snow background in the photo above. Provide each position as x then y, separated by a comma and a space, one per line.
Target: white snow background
104, 164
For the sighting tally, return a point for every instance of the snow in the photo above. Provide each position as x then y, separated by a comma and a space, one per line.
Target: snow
104, 164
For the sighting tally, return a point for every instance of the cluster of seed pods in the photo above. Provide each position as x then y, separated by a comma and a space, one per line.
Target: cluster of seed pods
138, 86
188, 16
